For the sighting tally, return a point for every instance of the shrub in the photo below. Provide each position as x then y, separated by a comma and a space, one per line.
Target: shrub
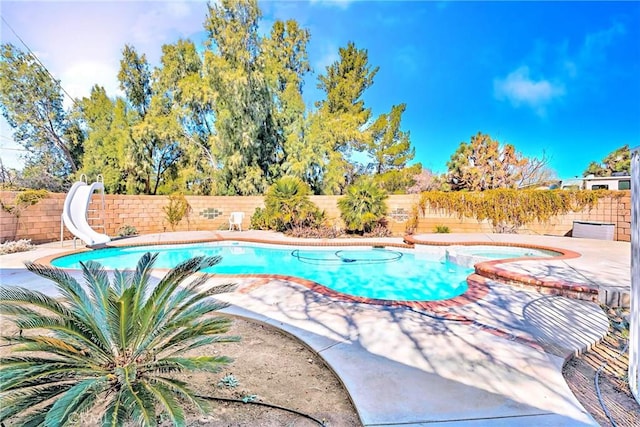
127, 230
107, 349
259, 220
319, 232
13, 247
363, 206
287, 205
379, 230
508, 209
442, 229
177, 209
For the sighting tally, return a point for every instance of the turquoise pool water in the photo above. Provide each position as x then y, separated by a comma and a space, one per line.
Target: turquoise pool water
370, 272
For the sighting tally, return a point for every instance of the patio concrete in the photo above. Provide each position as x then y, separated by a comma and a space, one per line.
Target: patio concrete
501, 366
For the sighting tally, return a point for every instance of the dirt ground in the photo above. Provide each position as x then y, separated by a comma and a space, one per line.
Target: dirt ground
272, 367
613, 368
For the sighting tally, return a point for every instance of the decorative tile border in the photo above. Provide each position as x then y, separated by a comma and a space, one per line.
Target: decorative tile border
210, 213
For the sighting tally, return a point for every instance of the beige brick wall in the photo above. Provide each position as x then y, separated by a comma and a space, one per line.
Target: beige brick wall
41, 222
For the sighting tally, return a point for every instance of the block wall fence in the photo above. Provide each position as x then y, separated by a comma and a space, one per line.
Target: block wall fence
41, 222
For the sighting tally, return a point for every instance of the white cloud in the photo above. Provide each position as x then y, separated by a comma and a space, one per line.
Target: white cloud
520, 89
595, 45
81, 42
82, 76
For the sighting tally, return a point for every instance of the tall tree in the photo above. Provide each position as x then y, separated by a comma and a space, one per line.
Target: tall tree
484, 164
536, 171
286, 63
337, 126
31, 102
389, 147
153, 155
181, 80
618, 160
244, 145
107, 125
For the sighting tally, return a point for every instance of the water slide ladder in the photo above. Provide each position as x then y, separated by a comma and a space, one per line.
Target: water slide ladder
83, 213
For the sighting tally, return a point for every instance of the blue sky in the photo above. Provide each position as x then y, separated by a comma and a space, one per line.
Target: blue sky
556, 77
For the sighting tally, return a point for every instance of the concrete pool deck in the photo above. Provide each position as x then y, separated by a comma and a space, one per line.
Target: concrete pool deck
496, 361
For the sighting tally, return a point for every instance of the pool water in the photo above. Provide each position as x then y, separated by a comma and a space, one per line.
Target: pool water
504, 252
376, 273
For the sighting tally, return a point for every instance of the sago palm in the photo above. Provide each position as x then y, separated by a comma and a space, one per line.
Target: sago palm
106, 352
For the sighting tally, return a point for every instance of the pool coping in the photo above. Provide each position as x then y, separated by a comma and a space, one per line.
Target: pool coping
477, 282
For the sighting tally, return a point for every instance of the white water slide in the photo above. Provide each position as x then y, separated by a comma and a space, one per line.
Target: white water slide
74, 213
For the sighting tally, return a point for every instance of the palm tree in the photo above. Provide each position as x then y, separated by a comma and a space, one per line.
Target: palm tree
363, 206
109, 349
287, 205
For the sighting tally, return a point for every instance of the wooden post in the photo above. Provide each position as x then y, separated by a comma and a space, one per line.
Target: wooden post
634, 324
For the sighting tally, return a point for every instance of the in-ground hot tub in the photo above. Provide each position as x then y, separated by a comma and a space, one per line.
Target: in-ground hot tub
468, 256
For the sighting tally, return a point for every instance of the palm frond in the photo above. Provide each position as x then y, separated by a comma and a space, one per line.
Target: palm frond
15, 402
178, 274
12, 296
67, 334
211, 326
140, 280
116, 414
139, 401
198, 342
97, 281
125, 309
196, 363
181, 388
153, 315
164, 395
25, 375
121, 281
69, 403
80, 303
35, 418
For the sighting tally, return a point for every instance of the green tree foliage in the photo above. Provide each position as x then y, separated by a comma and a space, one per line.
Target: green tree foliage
176, 210
484, 164
31, 102
390, 149
618, 160
154, 153
363, 206
286, 63
336, 127
229, 120
109, 350
108, 138
244, 144
287, 205
181, 79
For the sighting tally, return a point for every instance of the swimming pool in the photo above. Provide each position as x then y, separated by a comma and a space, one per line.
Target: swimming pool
377, 273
